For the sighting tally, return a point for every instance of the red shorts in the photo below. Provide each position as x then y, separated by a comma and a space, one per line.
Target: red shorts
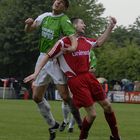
85, 89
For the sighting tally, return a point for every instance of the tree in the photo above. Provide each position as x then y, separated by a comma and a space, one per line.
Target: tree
19, 50
117, 63
90, 11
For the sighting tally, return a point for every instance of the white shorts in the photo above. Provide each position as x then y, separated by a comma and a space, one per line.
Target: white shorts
50, 70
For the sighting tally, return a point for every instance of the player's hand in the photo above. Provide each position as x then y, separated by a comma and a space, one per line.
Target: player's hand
68, 48
29, 78
29, 21
112, 21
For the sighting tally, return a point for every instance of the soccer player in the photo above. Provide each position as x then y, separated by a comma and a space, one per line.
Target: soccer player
52, 26
65, 108
83, 85
93, 61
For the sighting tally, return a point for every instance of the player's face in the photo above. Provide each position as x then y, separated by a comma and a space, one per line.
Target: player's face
58, 6
80, 26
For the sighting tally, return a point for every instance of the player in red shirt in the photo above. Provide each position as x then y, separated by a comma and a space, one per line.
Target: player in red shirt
84, 86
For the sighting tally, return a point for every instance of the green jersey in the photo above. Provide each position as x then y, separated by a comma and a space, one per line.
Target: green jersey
93, 59
52, 28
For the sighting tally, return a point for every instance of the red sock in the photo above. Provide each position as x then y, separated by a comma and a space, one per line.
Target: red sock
85, 129
111, 120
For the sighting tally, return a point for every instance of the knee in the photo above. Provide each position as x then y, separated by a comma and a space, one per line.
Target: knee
37, 98
108, 108
92, 117
65, 98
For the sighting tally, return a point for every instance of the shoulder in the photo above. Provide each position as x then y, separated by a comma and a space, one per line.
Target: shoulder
45, 15
65, 18
65, 40
90, 39
40, 18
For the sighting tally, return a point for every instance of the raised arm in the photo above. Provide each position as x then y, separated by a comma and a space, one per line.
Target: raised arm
30, 25
107, 32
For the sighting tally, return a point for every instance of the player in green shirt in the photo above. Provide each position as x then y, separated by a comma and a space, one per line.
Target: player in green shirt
93, 61
53, 25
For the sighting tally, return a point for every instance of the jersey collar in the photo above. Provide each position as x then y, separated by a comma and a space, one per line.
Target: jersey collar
57, 15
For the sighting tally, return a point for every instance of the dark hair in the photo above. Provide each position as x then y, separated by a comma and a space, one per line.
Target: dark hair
74, 20
66, 3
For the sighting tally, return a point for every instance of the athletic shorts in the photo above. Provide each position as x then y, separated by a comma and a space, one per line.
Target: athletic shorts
50, 70
85, 89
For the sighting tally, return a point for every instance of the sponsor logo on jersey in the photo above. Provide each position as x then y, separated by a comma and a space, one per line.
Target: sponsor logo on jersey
79, 53
47, 33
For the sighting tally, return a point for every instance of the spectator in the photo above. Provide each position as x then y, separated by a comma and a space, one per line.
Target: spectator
117, 87
17, 87
136, 86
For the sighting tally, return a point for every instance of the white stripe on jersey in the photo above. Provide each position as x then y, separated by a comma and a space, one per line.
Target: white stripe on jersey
92, 43
54, 49
64, 66
39, 19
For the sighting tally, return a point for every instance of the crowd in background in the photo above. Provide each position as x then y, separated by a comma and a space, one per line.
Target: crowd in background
20, 88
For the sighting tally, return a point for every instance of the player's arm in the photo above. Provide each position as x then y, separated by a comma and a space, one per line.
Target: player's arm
107, 32
30, 25
54, 52
74, 43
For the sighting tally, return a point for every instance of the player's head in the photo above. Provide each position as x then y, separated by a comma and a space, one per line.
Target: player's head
79, 25
60, 6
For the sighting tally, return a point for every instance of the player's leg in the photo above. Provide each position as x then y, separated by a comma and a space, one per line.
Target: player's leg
43, 105
60, 82
71, 124
39, 88
65, 112
65, 95
87, 122
110, 118
100, 97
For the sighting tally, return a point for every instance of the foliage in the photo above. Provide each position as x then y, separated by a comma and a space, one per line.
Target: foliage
90, 11
18, 51
117, 63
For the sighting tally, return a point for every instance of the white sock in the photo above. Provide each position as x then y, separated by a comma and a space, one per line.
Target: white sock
72, 122
65, 111
45, 111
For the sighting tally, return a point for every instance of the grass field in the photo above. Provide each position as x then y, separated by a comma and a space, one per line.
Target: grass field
20, 120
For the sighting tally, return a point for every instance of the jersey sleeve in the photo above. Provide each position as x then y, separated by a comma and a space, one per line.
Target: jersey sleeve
67, 27
40, 18
56, 50
93, 42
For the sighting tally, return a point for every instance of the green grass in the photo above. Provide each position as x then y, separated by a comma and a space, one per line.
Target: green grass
20, 120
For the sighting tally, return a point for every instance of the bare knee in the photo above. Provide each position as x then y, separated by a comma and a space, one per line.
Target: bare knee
65, 98
91, 117
38, 93
37, 98
64, 92
107, 107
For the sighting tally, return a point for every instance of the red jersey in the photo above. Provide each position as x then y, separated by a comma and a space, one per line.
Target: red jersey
75, 63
